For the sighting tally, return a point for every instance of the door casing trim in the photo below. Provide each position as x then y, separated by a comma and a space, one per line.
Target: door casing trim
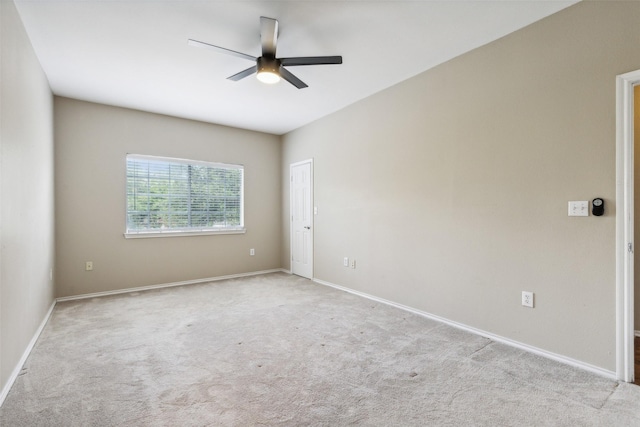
625, 225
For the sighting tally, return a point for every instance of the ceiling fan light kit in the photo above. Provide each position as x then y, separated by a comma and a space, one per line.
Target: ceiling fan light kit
268, 68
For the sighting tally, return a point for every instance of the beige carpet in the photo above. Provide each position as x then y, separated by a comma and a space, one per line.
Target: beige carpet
281, 350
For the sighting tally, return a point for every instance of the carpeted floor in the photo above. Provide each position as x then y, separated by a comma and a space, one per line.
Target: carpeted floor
281, 350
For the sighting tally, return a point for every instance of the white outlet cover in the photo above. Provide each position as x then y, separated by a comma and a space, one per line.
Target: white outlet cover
527, 299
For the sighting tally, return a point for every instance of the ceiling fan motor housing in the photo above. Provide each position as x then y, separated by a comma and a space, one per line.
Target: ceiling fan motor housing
268, 65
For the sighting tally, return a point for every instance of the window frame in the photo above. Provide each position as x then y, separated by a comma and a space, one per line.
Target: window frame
181, 232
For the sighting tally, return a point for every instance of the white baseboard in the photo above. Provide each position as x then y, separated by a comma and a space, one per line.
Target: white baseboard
168, 285
637, 334
25, 355
531, 349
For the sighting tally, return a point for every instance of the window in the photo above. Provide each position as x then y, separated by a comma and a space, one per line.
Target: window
169, 197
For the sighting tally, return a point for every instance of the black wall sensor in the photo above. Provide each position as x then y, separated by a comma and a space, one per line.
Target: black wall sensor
597, 207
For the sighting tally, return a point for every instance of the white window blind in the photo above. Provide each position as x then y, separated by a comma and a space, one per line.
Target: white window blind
167, 196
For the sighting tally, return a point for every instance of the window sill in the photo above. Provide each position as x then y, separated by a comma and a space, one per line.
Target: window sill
146, 235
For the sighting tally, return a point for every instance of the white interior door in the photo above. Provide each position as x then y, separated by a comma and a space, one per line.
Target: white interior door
302, 218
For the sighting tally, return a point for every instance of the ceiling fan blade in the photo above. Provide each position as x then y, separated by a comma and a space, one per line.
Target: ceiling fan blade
268, 36
292, 79
219, 49
311, 60
243, 74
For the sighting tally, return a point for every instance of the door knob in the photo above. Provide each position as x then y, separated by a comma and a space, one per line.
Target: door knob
308, 227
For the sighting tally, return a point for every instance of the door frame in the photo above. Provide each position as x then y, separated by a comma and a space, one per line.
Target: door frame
311, 213
625, 84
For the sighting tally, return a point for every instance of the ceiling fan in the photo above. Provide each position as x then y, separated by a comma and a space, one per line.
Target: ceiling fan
268, 68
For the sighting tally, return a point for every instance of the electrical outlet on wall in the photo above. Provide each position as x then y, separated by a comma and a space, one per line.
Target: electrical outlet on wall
88, 266
527, 299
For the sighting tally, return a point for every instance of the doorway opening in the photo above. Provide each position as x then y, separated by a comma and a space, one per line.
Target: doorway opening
636, 223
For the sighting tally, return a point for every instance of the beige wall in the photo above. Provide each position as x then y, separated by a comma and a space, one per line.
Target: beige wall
450, 189
91, 144
26, 192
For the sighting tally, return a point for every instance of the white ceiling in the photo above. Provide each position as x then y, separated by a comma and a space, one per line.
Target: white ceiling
134, 53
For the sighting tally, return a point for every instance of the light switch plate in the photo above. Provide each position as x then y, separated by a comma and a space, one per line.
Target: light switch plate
579, 208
